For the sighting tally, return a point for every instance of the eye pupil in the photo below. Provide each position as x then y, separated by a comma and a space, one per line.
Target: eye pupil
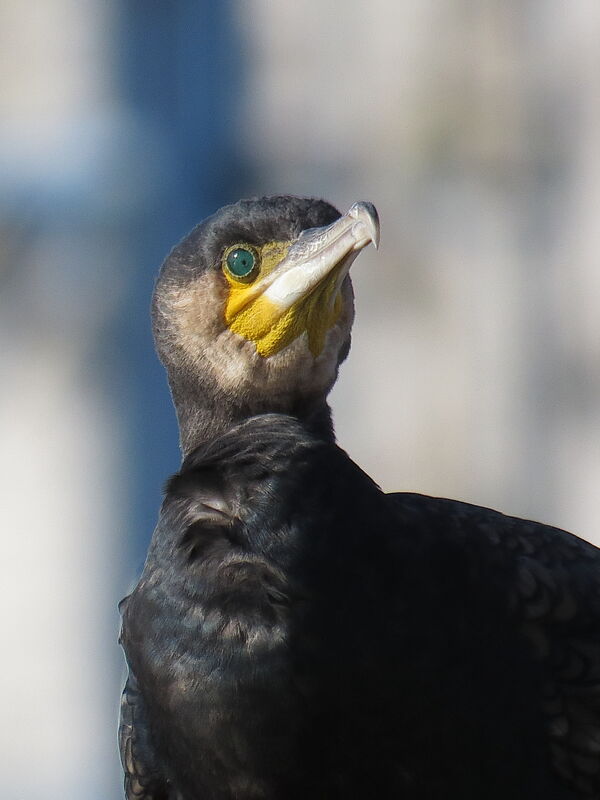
240, 262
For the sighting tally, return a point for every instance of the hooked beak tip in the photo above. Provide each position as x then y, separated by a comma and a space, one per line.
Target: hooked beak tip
366, 213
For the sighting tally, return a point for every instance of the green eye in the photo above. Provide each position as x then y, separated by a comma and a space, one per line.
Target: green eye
241, 263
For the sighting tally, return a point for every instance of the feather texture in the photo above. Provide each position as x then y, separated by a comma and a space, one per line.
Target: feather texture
298, 633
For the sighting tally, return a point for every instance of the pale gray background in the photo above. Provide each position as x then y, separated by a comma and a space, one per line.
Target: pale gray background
473, 125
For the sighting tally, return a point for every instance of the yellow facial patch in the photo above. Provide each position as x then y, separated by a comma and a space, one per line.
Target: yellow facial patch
257, 318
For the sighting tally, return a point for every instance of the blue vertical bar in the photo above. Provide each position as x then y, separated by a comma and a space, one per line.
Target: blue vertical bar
181, 65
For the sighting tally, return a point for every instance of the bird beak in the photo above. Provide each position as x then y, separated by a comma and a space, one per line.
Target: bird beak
317, 253
302, 292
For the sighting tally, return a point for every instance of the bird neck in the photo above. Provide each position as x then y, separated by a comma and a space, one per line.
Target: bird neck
203, 418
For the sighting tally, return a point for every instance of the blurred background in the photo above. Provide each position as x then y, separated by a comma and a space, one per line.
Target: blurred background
473, 125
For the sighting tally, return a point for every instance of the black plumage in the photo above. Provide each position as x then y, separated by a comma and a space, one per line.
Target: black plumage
297, 633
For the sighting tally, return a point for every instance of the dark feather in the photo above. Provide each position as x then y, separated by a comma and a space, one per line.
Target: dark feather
345, 643
143, 779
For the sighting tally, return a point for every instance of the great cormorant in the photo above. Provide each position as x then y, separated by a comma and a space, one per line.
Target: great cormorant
297, 634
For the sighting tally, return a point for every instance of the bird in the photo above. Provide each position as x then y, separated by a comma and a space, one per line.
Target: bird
298, 633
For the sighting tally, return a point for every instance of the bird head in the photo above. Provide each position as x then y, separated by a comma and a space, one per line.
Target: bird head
252, 311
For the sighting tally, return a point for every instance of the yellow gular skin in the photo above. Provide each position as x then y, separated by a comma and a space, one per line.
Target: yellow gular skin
257, 319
